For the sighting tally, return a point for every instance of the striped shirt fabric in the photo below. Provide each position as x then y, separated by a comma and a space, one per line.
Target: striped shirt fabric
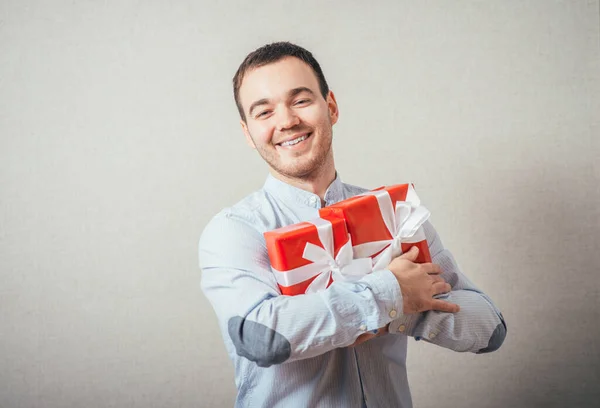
292, 351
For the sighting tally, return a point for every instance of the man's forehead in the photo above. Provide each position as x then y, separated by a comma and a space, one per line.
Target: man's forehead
278, 78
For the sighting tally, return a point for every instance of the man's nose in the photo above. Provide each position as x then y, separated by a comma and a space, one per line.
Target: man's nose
286, 119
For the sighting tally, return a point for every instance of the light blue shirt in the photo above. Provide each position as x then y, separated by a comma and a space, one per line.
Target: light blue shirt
292, 351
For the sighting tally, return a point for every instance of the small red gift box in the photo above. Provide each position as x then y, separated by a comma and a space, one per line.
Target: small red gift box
307, 257
383, 223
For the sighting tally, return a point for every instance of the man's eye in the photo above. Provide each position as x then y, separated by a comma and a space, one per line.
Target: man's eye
262, 114
302, 102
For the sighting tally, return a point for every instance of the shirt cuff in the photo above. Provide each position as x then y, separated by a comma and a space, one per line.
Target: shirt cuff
386, 291
405, 325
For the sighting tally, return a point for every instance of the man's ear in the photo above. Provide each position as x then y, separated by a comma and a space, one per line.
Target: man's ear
334, 112
249, 140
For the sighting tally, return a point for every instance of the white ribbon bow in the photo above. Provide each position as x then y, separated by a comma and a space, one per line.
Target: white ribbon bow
402, 222
341, 268
324, 265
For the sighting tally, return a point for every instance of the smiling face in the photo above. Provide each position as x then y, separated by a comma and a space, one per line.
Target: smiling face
288, 121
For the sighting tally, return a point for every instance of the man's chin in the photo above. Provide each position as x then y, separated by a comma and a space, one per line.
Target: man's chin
302, 172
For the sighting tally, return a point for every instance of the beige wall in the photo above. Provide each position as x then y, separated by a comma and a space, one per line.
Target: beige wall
119, 140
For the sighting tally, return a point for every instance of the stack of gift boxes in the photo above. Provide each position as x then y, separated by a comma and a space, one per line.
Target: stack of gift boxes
349, 240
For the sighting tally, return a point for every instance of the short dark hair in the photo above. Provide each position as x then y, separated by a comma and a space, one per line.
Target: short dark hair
268, 54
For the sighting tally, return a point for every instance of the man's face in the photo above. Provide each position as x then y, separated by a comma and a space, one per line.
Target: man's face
288, 121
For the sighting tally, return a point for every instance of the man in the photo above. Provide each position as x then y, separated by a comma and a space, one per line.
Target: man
345, 346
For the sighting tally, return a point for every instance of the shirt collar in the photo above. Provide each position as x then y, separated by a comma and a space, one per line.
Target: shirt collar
295, 195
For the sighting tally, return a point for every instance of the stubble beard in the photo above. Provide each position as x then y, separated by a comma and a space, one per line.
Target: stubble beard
304, 168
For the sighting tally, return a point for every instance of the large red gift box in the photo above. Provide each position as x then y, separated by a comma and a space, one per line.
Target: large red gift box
383, 223
307, 257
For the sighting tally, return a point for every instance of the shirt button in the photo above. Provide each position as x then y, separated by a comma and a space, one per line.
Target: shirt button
393, 313
401, 328
363, 327
313, 200
431, 335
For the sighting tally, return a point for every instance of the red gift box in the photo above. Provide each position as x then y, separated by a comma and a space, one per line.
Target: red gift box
383, 223
308, 256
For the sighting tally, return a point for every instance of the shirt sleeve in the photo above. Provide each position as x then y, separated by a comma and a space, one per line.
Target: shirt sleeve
268, 328
478, 327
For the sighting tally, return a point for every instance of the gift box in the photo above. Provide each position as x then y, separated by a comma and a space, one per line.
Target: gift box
383, 223
307, 257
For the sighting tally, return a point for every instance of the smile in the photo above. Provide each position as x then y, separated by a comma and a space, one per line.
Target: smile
295, 141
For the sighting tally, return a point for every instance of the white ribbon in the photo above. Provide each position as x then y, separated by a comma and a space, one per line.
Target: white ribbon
403, 222
324, 265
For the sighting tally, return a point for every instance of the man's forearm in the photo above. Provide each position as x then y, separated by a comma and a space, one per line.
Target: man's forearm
281, 329
478, 327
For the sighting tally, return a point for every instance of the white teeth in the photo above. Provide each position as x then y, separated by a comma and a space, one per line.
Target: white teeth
295, 141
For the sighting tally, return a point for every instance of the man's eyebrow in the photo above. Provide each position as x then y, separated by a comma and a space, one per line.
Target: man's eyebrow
258, 103
299, 90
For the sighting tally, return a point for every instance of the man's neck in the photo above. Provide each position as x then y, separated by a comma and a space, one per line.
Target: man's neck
316, 183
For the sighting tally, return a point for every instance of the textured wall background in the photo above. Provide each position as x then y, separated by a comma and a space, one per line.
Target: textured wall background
119, 140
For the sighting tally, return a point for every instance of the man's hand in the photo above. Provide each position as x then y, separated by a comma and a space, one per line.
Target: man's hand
419, 283
368, 336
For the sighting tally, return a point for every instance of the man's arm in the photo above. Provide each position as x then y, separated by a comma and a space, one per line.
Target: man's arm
269, 328
478, 327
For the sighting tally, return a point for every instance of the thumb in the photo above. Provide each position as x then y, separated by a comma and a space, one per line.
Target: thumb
411, 254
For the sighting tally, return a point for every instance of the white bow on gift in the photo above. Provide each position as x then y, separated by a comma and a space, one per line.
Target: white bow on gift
402, 222
324, 265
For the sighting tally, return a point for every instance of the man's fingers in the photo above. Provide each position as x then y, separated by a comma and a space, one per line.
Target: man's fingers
431, 268
441, 287
368, 336
444, 306
436, 279
411, 254
362, 338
